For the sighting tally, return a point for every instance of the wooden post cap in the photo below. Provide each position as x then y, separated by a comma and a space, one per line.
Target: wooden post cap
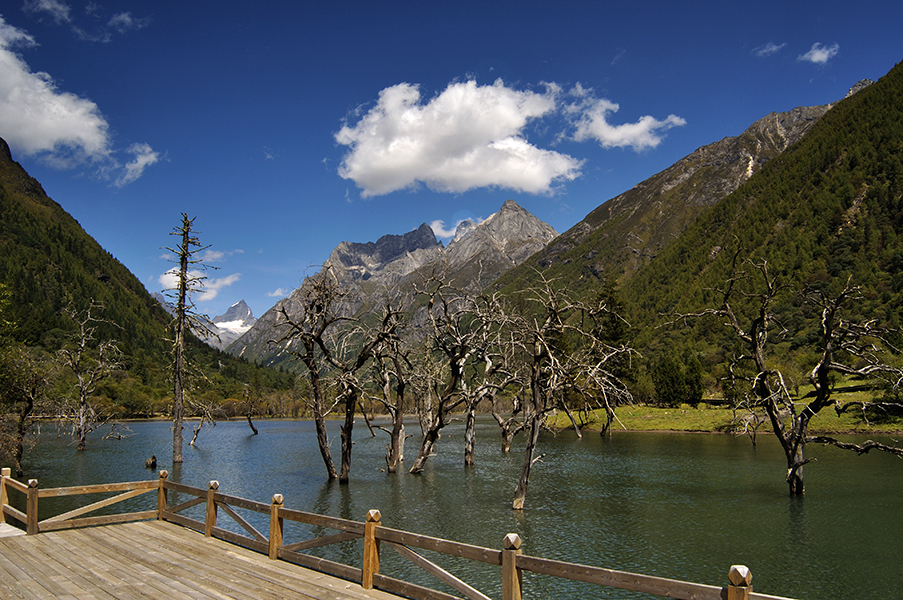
278, 499
373, 515
740, 575
164, 473
214, 485
32, 483
512, 541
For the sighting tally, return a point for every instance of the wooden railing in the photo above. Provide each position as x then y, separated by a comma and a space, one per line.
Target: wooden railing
509, 558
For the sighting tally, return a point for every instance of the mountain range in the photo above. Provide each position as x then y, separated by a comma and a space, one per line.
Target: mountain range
390, 267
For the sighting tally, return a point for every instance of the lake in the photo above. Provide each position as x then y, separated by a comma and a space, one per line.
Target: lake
684, 506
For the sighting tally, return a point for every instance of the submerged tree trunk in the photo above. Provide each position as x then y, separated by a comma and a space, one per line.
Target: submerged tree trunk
347, 429
470, 436
530, 458
426, 447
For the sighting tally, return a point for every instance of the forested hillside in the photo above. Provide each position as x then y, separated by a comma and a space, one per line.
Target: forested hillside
827, 209
48, 263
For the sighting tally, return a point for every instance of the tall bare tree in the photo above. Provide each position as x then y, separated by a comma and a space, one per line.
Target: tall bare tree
858, 350
91, 361
190, 276
568, 359
337, 346
460, 342
391, 371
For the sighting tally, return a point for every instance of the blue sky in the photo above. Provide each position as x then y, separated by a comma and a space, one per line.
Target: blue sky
288, 127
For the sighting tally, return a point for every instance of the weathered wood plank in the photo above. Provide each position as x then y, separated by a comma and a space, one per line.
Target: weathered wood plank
93, 521
96, 505
96, 489
409, 590
321, 541
438, 572
425, 542
244, 524
658, 586
242, 503
322, 521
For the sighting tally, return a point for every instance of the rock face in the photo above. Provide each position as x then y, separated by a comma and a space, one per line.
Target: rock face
389, 267
626, 232
232, 324
390, 257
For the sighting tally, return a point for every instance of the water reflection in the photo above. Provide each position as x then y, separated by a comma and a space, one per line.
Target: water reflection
680, 506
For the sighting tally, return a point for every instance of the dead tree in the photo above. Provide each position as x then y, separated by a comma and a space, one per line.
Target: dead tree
567, 359
391, 371
190, 278
90, 361
510, 425
334, 343
318, 300
459, 339
855, 350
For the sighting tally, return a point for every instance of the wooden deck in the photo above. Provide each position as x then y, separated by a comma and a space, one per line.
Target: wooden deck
155, 559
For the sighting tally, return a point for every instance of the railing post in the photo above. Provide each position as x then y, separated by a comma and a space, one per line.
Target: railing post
512, 577
740, 583
31, 510
371, 550
4, 498
210, 521
276, 525
161, 494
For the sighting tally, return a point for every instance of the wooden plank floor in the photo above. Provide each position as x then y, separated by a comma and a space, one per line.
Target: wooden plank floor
152, 560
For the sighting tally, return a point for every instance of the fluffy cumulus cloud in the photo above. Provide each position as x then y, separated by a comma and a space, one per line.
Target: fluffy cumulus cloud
469, 136
38, 119
819, 54
207, 288
279, 293
591, 122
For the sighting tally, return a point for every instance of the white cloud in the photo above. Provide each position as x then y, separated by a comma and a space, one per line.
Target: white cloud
144, 157
768, 49
60, 11
214, 285
124, 22
819, 54
279, 293
207, 288
443, 232
37, 118
590, 119
467, 137
65, 130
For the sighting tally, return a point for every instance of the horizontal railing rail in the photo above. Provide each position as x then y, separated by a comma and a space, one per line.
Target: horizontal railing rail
510, 559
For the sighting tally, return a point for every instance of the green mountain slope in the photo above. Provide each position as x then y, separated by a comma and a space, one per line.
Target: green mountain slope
47, 261
628, 231
828, 208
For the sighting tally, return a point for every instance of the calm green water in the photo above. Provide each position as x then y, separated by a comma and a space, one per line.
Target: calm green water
674, 505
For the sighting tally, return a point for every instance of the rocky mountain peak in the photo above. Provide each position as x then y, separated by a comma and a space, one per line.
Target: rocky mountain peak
399, 254
479, 253
238, 312
860, 85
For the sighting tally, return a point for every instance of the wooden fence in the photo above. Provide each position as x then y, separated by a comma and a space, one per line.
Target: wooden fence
509, 558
